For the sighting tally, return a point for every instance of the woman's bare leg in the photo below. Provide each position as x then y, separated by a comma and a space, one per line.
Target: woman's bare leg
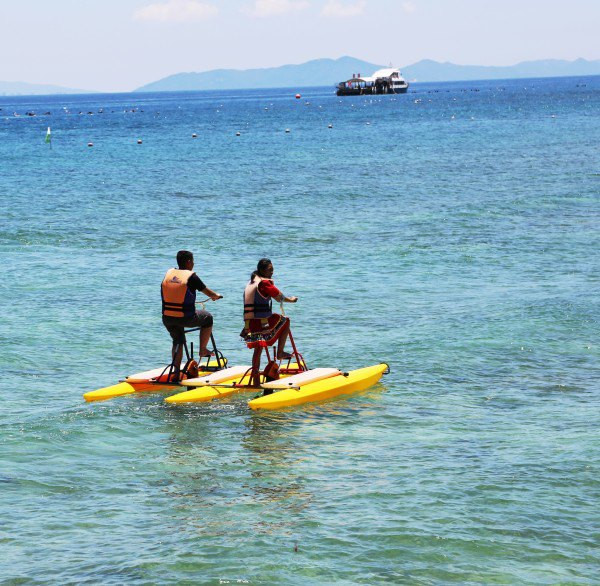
282, 340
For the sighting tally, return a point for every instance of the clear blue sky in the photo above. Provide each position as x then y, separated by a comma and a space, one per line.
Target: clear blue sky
118, 45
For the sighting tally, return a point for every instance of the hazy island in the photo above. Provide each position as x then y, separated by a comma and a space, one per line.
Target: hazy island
328, 72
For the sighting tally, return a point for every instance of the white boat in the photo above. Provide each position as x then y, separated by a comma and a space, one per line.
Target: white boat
383, 81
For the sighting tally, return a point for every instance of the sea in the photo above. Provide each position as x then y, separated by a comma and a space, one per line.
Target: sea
452, 232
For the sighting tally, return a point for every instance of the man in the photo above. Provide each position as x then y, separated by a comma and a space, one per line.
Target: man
178, 292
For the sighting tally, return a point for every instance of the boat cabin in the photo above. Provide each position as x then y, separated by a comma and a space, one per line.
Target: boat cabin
383, 81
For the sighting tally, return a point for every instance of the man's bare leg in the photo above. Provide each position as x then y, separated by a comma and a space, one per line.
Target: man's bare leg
204, 339
177, 355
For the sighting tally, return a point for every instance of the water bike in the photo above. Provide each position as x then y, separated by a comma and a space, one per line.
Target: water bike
165, 377
239, 378
195, 373
283, 385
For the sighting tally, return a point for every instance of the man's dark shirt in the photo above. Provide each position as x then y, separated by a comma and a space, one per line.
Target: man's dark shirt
195, 283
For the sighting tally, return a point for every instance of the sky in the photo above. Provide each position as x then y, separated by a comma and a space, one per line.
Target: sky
119, 45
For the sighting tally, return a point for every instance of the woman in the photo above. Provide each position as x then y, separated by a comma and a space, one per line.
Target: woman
262, 327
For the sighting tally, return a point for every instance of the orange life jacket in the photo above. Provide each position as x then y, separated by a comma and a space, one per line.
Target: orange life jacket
178, 300
255, 305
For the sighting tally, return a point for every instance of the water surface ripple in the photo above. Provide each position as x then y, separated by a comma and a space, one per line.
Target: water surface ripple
451, 232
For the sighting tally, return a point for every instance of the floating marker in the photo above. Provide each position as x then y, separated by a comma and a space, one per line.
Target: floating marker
194, 135
287, 129
238, 133
330, 126
90, 144
139, 141
298, 96
48, 136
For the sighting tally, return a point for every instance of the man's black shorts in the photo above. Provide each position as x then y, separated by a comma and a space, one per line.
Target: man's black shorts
176, 325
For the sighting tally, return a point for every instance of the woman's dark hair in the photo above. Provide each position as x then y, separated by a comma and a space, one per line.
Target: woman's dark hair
263, 263
182, 257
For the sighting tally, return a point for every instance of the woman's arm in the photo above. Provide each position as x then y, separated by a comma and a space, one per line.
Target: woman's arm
267, 288
282, 298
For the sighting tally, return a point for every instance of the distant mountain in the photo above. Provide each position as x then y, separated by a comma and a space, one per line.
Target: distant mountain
17, 88
428, 70
327, 72
319, 72
323, 72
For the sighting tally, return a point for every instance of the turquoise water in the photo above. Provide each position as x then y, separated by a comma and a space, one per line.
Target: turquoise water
452, 232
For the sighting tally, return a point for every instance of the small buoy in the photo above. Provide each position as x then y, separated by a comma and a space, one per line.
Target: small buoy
194, 135
298, 96
287, 129
139, 141
238, 133
368, 124
90, 144
330, 126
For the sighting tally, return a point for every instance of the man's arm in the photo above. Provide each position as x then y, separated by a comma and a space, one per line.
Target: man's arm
210, 293
197, 283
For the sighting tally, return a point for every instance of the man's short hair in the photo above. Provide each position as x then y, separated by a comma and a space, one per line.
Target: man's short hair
182, 257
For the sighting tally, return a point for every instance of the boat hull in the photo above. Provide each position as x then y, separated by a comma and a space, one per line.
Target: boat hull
204, 394
353, 381
368, 91
136, 383
208, 393
121, 389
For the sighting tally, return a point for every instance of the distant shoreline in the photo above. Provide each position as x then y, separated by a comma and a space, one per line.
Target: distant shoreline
325, 73
291, 89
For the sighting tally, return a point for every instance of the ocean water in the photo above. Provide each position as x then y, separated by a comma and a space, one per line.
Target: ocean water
452, 232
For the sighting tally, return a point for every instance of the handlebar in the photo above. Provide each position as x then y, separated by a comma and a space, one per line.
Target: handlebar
201, 302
